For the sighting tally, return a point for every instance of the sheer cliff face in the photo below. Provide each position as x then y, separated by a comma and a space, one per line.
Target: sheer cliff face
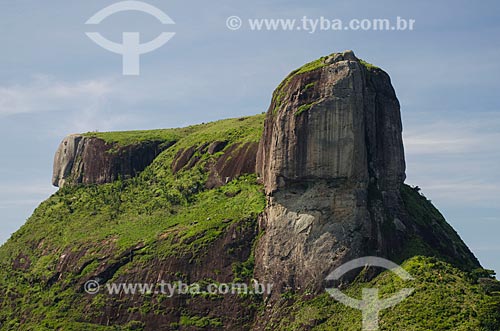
89, 160
340, 121
332, 162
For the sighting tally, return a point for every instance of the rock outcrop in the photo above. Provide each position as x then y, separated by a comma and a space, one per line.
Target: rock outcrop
90, 160
236, 160
329, 188
339, 121
332, 163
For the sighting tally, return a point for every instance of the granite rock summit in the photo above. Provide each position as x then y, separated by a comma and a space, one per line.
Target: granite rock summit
332, 163
82, 159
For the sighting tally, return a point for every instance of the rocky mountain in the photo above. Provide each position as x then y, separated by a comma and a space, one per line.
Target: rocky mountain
282, 198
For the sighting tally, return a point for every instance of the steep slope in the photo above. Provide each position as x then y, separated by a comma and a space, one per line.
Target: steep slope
445, 298
163, 224
193, 209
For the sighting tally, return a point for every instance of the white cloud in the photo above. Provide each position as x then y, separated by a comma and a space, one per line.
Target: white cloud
24, 194
455, 160
80, 106
477, 192
486, 248
453, 136
45, 94
27, 189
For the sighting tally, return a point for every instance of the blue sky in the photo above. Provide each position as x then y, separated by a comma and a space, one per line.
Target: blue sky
55, 81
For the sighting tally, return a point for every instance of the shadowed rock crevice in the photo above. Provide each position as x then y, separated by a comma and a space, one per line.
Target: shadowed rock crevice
228, 162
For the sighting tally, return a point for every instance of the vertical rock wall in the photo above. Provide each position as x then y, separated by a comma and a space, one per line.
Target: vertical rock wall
332, 162
89, 160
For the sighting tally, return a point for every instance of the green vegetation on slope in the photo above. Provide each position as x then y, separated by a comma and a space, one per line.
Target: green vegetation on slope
423, 213
124, 138
367, 65
280, 91
156, 214
129, 211
444, 298
234, 128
